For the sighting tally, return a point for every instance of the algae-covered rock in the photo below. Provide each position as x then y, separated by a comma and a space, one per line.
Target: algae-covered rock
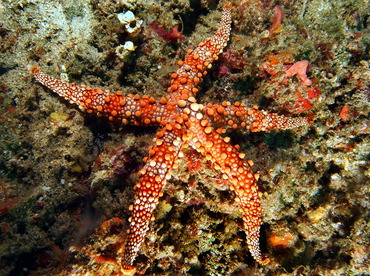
65, 173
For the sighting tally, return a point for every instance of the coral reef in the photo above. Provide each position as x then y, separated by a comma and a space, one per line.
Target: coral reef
64, 173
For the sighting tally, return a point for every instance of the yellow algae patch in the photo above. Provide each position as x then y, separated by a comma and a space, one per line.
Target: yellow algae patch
76, 168
163, 208
58, 117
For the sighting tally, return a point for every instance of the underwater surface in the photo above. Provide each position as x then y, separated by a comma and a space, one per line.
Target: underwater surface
67, 177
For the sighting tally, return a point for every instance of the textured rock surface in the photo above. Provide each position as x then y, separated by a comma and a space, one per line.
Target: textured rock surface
63, 173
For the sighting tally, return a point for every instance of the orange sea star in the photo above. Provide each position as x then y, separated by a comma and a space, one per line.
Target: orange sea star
183, 122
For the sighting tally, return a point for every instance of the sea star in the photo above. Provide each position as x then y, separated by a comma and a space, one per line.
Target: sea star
183, 122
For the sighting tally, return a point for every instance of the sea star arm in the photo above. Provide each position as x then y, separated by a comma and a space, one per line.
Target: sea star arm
226, 158
184, 82
130, 109
238, 116
153, 176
